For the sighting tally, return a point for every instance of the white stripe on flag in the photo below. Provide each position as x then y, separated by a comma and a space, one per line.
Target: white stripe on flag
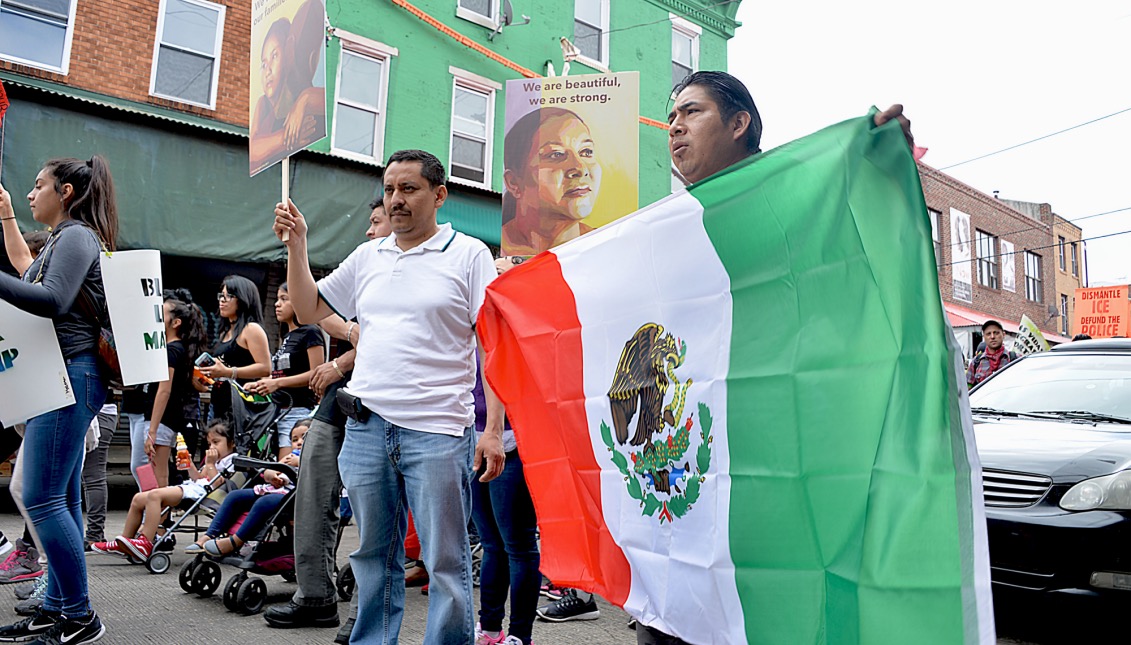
661, 267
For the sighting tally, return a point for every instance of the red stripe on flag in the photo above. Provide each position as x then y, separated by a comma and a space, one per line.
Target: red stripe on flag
532, 338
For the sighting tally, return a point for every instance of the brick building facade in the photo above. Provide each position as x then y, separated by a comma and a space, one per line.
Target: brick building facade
113, 45
1011, 265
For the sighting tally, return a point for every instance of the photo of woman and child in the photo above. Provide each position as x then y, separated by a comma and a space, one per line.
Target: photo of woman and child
290, 112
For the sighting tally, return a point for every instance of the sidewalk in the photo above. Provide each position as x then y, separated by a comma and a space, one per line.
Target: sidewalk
141, 608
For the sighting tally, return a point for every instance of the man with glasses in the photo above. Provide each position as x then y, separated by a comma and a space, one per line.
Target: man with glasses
994, 358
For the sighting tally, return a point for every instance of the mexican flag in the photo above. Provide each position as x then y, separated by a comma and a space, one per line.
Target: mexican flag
741, 412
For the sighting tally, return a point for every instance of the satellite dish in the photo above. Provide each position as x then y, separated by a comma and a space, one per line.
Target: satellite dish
506, 18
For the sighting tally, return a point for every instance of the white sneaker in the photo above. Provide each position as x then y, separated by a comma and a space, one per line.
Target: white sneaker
515, 640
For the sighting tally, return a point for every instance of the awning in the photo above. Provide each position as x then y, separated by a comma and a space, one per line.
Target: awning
185, 191
961, 317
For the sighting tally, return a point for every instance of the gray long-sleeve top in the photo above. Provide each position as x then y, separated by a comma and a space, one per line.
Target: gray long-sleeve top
71, 259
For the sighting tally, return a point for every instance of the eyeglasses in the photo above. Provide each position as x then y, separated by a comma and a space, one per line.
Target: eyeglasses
223, 297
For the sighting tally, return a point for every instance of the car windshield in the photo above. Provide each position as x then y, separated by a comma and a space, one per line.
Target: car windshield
1062, 383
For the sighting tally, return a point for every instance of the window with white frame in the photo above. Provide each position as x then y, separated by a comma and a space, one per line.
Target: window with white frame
473, 110
1060, 249
1033, 277
591, 29
359, 109
685, 49
482, 12
986, 246
186, 54
37, 32
1075, 260
1063, 314
935, 216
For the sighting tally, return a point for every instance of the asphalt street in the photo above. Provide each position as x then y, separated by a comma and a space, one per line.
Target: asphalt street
142, 608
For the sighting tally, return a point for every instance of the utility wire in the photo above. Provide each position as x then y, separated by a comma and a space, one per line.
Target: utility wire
646, 24
1079, 125
1038, 248
1033, 228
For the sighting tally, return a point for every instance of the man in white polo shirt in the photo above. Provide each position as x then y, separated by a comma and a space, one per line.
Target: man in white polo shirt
410, 440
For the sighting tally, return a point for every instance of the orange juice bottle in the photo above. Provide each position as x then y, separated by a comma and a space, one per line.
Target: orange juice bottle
183, 457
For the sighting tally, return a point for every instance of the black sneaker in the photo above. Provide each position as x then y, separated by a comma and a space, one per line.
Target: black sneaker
167, 544
290, 615
74, 631
30, 628
344, 632
570, 607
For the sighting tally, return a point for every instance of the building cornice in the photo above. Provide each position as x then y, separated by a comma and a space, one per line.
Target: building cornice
716, 21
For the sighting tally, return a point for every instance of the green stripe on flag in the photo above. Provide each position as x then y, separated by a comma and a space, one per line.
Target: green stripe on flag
846, 525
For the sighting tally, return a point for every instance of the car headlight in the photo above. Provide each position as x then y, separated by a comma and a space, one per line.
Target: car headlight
1110, 492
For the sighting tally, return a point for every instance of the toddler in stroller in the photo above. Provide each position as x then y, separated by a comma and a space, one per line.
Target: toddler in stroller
260, 503
147, 507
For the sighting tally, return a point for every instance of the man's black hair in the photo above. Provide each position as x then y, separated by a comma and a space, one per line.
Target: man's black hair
991, 323
1081, 337
732, 97
430, 166
377, 202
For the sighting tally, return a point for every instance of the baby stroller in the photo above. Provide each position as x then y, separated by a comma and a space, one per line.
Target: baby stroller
269, 552
254, 420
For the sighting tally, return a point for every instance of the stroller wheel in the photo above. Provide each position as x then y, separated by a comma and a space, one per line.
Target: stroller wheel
206, 579
232, 590
185, 577
158, 563
476, 563
251, 596
346, 583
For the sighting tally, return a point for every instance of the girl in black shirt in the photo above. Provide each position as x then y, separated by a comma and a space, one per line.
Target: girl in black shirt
302, 349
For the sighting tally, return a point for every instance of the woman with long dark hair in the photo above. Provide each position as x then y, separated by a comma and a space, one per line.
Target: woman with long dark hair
242, 353
64, 282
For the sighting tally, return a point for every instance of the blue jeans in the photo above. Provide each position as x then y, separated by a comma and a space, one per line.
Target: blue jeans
504, 516
389, 469
52, 488
259, 509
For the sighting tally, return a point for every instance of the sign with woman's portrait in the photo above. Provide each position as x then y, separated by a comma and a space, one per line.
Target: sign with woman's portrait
288, 79
570, 157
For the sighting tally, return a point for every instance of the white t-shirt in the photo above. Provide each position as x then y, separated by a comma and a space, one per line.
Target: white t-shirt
415, 362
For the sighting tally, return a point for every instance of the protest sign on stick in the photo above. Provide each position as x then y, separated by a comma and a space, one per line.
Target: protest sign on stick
287, 84
570, 157
1030, 340
33, 377
132, 280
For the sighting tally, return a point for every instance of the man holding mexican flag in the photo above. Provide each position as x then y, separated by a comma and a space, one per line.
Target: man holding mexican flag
755, 416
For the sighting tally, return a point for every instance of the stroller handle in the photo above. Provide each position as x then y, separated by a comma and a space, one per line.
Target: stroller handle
248, 463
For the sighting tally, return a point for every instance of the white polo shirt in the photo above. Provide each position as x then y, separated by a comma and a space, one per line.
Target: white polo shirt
415, 362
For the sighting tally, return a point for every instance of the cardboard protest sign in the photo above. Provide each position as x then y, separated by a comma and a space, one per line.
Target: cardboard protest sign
1029, 340
570, 157
1102, 312
288, 79
132, 280
33, 377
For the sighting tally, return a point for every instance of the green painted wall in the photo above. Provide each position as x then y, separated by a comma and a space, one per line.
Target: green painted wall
418, 113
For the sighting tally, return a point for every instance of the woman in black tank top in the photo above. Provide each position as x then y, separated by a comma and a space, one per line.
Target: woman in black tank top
242, 353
